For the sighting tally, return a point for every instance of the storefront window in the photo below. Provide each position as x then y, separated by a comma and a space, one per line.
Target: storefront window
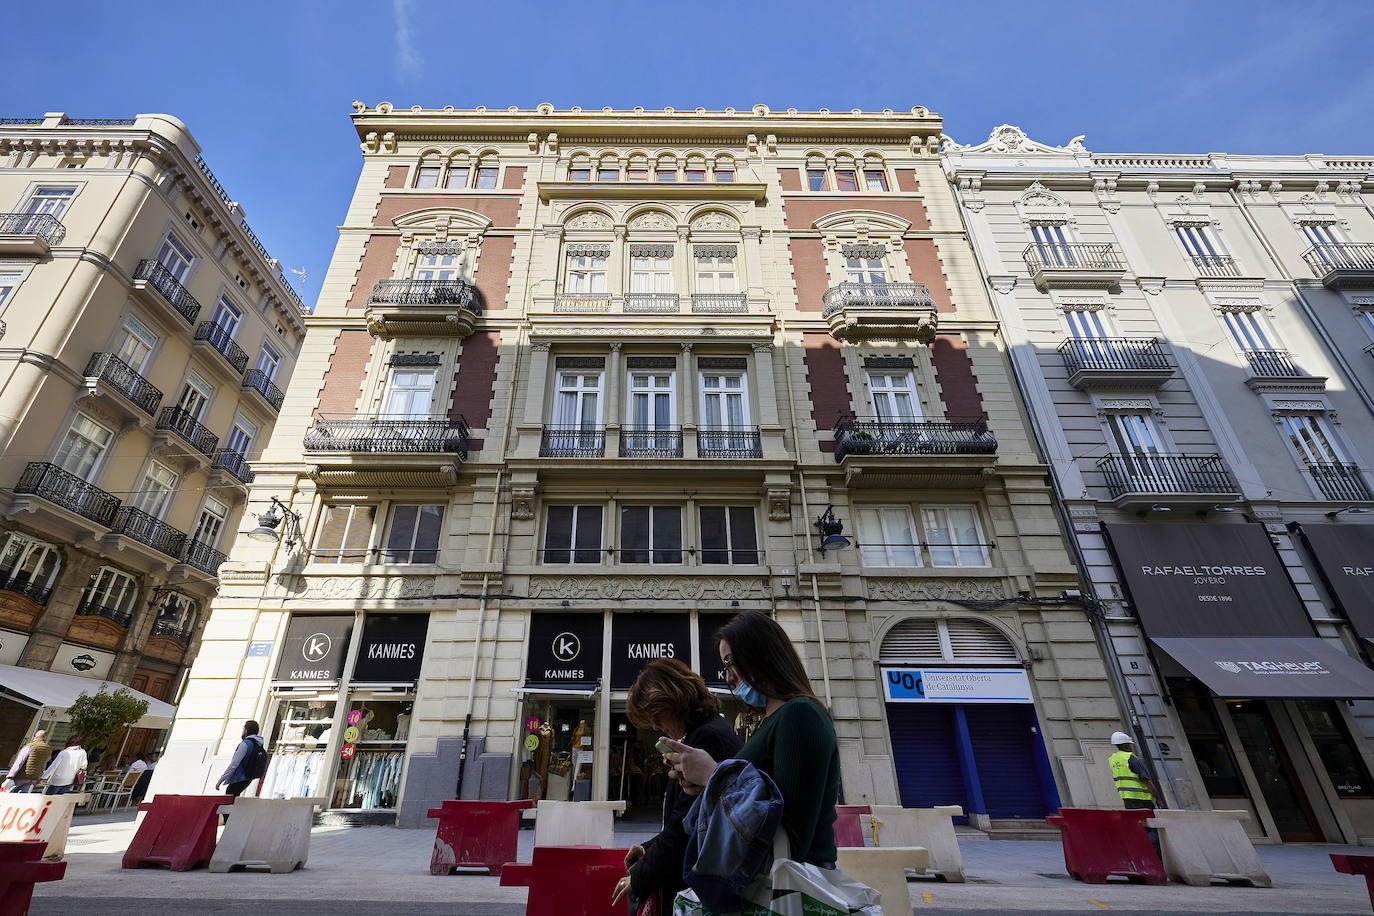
1338, 753
299, 745
370, 774
1203, 730
558, 750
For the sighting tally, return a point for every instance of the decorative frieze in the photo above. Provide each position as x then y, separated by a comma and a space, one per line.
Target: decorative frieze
686, 588
714, 251
367, 588
582, 250
933, 589
651, 251
580, 362
870, 251
722, 362
650, 362
414, 359
889, 362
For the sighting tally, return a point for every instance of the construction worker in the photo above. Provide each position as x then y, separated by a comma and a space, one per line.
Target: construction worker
1136, 786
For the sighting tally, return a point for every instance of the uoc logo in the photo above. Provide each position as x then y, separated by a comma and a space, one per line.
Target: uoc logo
1229, 666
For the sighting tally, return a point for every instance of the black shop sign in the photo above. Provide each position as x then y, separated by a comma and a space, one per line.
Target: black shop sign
314, 648
392, 647
565, 651
637, 639
710, 668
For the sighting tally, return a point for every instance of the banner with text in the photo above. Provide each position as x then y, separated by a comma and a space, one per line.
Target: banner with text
565, 651
392, 648
951, 685
1346, 556
636, 639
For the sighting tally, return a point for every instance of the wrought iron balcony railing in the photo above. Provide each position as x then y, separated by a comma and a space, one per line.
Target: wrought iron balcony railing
169, 287
89, 608
458, 293
855, 436
172, 630
1166, 474
876, 296
42, 478
651, 443
142, 527
719, 304
234, 463
382, 434
182, 422
27, 588
572, 442
582, 303
116, 373
1327, 258
41, 225
1272, 364
1107, 354
1215, 265
222, 340
1340, 482
651, 303
202, 557
729, 442
259, 381
1071, 256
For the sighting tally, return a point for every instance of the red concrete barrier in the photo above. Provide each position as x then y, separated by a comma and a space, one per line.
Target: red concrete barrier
569, 880
178, 831
475, 834
849, 830
1099, 843
1348, 864
20, 870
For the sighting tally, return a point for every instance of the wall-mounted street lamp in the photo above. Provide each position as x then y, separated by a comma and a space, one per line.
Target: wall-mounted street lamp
1353, 510
831, 530
269, 521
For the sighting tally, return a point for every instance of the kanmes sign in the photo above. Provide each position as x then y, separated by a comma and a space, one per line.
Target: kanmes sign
392, 648
314, 648
564, 651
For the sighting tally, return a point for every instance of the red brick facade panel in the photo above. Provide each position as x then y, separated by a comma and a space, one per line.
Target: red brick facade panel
954, 372
377, 263
493, 270
514, 179
801, 212
924, 260
474, 384
906, 181
396, 176
790, 178
343, 381
502, 211
829, 387
808, 273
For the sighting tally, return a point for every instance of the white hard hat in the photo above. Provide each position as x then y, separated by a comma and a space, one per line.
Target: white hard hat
1122, 738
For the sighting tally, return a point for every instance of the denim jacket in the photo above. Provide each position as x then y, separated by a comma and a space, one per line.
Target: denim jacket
730, 831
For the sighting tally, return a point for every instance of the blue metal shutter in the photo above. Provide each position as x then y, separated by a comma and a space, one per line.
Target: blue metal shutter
1004, 755
927, 758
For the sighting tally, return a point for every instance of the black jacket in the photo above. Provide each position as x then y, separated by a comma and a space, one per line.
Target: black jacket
661, 868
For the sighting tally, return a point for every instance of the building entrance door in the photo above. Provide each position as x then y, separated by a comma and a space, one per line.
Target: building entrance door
1278, 781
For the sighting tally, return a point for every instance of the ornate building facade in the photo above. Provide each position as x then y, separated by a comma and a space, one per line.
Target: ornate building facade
1192, 335
145, 339
583, 384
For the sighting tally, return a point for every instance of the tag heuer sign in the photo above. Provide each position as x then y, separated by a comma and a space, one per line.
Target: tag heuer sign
314, 648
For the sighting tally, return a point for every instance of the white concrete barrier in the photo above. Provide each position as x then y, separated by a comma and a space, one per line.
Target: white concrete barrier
26, 816
271, 833
589, 823
884, 870
1201, 845
931, 828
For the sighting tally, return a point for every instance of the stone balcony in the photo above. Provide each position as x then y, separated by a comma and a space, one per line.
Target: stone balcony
904, 311
29, 235
1073, 265
422, 308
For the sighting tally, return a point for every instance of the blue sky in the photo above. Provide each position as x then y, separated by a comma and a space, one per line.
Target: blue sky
266, 87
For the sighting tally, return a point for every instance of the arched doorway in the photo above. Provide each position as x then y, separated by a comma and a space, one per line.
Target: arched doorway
962, 720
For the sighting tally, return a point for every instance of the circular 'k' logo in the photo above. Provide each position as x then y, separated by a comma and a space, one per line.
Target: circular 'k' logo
566, 647
316, 647
1229, 666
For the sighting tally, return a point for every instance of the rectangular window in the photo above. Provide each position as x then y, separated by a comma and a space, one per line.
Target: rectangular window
8, 281
241, 436
210, 525
666, 175
156, 491
486, 177
651, 401
1321, 234
875, 180
728, 535
846, 180
651, 534
345, 533
725, 176
1249, 330
572, 534
408, 393
887, 536
268, 362
82, 447
651, 275
815, 179
111, 590
637, 175
716, 275
695, 176
457, 176
1085, 324
1135, 434
427, 176
579, 400
1310, 438
1197, 241
865, 270
414, 534
176, 257
135, 345
1337, 751
437, 268
724, 401
608, 174
52, 201
953, 536
195, 395
1365, 316
586, 274
227, 316
579, 174
1206, 739
894, 397
1051, 244
27, 563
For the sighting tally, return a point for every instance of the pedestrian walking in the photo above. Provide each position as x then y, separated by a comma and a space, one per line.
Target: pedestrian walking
1134, 783
27, 767
248, 763
67, 769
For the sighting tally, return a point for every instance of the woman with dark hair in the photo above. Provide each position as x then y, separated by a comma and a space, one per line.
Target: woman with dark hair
671, 699
795, 744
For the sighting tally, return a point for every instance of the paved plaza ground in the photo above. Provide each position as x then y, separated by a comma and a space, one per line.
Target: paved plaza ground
362, 871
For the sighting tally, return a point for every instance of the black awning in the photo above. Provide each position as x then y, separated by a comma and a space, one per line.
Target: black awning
1271, 667
1345, 554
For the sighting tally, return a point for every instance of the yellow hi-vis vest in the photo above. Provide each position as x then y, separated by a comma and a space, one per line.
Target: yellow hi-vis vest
1127, 783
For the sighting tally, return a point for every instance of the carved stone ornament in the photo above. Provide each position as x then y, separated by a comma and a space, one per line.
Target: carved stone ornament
414, 359
589, 251
522, 503
1152, 286
689, 588
779, 503
871, 251
1003, 285
374, 588
651, 251
1282, 406
968, 589
654, 219
439, 248
715, 251
589, 219
1037, 195
714, 221
1009, 139
1131, 404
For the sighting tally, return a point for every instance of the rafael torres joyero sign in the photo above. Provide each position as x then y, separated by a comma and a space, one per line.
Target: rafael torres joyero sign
314, 648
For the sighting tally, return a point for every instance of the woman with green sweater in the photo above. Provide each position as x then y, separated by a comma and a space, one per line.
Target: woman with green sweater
795, 745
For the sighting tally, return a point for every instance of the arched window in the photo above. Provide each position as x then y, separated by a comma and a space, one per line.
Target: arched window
427, 173
176, 617
580, 168
488, 169
111, 593
608, 169
28, 567
666, 169
953, 640
638, 168
724, 172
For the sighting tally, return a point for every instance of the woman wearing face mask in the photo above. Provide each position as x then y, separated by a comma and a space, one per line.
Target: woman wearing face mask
795, 744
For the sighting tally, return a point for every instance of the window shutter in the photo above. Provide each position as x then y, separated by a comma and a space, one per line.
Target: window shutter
331, 534
911, 641
974, 640
359, 534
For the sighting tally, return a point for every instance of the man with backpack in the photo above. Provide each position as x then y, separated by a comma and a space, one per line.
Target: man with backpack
249, 762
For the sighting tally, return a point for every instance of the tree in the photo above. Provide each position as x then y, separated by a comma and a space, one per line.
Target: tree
96, 717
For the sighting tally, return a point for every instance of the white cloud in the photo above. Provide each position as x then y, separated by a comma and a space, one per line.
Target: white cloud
407, 57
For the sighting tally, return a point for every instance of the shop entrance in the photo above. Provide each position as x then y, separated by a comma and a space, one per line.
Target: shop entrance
1278, 781
636, 773
557, 753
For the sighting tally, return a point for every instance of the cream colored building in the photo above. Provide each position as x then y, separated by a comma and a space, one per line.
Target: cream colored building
579, 387
1193, 336
147, 340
